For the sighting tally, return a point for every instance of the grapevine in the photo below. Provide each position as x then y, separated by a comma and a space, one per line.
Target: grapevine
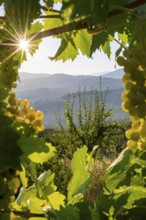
134, 96
81, 28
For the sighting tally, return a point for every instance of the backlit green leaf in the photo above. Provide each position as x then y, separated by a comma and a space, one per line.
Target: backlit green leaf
36, 149
83, 42
81, 176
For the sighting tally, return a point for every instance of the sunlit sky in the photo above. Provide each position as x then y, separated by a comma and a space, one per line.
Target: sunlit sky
40, 63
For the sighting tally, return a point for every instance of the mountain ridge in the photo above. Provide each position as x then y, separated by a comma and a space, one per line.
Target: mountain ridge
47, 92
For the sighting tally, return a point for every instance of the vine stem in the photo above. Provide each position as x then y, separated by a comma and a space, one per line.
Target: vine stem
28, 214
118, 42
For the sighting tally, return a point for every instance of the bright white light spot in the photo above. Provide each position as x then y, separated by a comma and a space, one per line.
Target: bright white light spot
24, 45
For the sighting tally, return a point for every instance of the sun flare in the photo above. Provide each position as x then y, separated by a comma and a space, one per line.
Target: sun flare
24, 45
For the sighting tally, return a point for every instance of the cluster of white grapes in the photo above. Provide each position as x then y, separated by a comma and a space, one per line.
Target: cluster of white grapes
21, 111
9, 185
134, 96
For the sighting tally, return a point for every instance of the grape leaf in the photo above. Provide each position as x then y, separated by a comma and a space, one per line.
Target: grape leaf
122, 202
106, 48
52, 23
56, 200
93, 11
82, 41
69, 213
21, 14
49, 198
78, 182
85, 209
116, 174
123, 37
98, 41
44, 180
35, 149
67, 50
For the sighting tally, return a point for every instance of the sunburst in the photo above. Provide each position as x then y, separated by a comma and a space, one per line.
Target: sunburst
16, 42
24, 45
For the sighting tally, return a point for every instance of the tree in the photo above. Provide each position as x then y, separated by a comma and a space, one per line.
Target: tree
82, 26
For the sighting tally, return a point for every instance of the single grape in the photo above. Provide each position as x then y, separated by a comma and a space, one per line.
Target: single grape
135, 136
134, 63
142, 145
41, 128
128, 133
142, 133
38, 123
136, 51
19, 101
121, 61
31, 116
127, 105
136, 125
39, 115
12, 101
26, 103
23, 111
32, 110
12, 94
126, 78
133, 112
127, 53
132, 144
14, 85
128, 85
124, 96
14, 184
142, 110
139, 78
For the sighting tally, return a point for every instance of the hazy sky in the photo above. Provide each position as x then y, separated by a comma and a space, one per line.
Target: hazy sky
40, 63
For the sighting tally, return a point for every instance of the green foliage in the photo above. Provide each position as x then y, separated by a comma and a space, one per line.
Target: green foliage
81, 163
26, 12
88, 123
125, 187
60, 165
67, 140
85, 26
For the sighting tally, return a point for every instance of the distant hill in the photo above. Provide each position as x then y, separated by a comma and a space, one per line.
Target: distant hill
117, 74
48, 92
67, 82
25, 75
